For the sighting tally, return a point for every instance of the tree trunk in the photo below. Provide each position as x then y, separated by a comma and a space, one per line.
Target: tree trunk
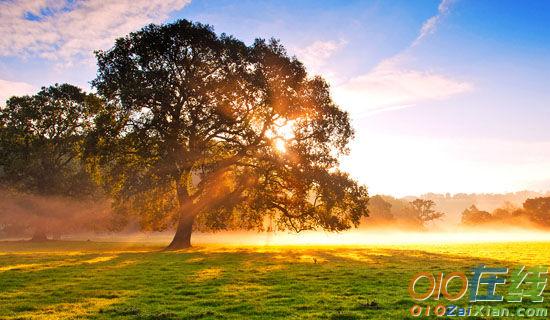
182, 238
39, 236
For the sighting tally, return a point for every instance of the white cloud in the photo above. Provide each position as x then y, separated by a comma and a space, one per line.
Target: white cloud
430, 25
390, 86
66, 31
11, 88
315, 55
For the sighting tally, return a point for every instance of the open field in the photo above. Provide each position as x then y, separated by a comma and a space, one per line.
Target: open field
58, 280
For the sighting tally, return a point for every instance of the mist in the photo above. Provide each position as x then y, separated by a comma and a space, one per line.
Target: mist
22, 215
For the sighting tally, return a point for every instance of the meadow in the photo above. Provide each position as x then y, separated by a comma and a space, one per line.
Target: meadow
100, 280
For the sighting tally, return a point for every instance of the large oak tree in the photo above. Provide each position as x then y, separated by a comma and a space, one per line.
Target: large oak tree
203, 131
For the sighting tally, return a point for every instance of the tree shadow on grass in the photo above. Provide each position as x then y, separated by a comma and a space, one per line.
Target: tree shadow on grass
329, 283
304, 283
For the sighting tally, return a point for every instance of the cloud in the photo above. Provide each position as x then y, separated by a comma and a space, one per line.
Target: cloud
430, 25
10, 88
390, 86
68, 31
316, 55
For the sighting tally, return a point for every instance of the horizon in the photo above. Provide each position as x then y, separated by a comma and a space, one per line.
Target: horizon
452, 195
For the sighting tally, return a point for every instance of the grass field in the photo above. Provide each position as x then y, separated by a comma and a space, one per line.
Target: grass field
71, 280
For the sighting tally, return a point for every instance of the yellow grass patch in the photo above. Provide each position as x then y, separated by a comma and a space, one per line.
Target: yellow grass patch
99, 259
76, 310
208, 274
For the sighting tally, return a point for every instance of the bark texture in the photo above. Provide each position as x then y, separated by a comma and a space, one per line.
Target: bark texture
182, 238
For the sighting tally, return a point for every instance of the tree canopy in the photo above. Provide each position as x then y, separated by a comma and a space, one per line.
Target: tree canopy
42, 177
41, 140
474, 216
424, 210
538, 210
535, 212
202, 130
380, 209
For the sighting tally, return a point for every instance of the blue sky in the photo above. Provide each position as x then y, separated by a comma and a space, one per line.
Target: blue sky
446, 96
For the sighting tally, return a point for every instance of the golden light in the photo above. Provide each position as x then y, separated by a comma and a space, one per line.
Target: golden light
371, 237
280, 145
286, 130
281, 133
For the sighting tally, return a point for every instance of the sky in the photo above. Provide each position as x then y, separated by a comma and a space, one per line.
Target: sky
445, 96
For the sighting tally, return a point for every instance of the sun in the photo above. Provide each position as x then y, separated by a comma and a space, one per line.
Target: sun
280, 145
281, 133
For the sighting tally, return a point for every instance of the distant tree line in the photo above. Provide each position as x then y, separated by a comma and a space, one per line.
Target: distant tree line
534, 212
389, 211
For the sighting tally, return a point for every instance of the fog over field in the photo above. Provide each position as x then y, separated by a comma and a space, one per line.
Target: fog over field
68, 219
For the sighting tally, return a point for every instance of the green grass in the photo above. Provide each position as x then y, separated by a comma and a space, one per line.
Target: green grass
76, 280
